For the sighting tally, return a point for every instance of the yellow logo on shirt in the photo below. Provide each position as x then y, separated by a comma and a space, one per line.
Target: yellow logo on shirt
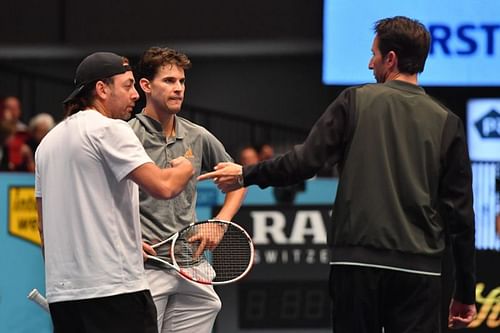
23, 214
189, 154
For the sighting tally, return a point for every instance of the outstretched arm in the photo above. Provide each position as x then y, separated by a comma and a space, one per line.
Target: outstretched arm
327, 141
228, 177
163, 183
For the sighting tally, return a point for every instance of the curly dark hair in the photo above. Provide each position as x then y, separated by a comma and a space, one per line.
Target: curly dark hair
156, 57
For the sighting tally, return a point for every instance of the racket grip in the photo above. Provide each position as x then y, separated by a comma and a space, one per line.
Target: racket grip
38, 298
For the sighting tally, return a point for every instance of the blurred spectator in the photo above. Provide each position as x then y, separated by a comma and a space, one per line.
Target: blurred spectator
284, 195
248, 155
24, 157
5, 114
265, 151
38, 127
20, 156
12, 106
7, 130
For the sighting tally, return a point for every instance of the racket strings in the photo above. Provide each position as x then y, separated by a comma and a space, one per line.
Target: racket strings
184, 253
230, 259
232, 256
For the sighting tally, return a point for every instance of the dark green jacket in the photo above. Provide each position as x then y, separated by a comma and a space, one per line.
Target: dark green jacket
405, 179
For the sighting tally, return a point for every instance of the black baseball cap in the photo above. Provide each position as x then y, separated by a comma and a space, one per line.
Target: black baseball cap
97, 66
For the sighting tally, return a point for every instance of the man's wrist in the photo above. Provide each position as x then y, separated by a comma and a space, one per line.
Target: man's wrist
240, 180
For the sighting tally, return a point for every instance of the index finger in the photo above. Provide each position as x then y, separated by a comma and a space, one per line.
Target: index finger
209, 175
200, 249
458, 322
148, 249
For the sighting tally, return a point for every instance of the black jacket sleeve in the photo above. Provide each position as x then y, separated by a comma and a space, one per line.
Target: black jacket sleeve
456, 208
326, 142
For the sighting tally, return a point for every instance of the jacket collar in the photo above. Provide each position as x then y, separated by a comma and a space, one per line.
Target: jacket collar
402, 85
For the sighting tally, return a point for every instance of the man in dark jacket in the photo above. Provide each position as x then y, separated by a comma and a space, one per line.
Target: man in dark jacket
405, 181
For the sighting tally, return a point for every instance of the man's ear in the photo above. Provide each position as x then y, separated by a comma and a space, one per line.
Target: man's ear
101, 89
391, 59
145, 85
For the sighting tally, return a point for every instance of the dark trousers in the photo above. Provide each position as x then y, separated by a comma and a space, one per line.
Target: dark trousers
125, 313
366, 299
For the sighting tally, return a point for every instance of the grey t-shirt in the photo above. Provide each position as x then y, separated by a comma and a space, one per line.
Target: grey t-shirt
161, 218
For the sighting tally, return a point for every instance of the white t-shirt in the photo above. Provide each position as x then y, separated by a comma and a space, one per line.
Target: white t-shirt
91, 222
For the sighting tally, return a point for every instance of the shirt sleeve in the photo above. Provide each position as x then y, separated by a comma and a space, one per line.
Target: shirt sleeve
213, 153
121, 149
38, 184
456, 207
326, 142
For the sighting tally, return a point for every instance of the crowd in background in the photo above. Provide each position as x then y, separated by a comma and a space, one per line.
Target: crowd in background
18, 141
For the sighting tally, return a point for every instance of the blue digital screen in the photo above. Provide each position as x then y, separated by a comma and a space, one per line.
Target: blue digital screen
465, 49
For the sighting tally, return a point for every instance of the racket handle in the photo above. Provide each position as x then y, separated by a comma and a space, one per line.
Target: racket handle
38, 298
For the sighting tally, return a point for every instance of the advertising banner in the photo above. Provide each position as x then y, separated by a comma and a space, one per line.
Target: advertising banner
465, 46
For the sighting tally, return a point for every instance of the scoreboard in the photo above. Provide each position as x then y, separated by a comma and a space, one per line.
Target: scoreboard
284, 304
287, 288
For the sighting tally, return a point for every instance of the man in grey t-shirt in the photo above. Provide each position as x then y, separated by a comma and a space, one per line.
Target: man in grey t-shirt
182, 306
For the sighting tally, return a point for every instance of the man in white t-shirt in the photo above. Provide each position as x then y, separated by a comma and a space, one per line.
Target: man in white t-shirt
87, 169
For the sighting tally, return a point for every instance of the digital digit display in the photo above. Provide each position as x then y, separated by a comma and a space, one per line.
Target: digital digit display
284, 304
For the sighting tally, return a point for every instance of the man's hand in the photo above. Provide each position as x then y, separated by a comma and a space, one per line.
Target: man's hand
461, 315
227, 176
146, 250
181, 161
209, 236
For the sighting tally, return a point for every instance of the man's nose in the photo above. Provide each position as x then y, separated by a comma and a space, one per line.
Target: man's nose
135, 95
178, 86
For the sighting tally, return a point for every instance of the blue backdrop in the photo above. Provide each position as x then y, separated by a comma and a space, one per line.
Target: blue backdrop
21, 260
21, 263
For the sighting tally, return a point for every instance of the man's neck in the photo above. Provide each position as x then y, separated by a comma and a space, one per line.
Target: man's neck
165, 119
99, 107
409, 78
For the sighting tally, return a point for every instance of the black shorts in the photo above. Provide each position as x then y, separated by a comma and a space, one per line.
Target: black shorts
132, 312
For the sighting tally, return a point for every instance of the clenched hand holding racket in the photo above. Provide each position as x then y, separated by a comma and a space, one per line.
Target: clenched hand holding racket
194, 259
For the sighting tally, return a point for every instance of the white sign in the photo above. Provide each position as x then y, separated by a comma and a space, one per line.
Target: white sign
483, 129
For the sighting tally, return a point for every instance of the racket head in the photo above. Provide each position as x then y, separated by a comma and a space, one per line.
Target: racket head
229, 261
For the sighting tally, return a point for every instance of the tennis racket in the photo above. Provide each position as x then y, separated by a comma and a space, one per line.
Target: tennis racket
38, 298
187, 253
